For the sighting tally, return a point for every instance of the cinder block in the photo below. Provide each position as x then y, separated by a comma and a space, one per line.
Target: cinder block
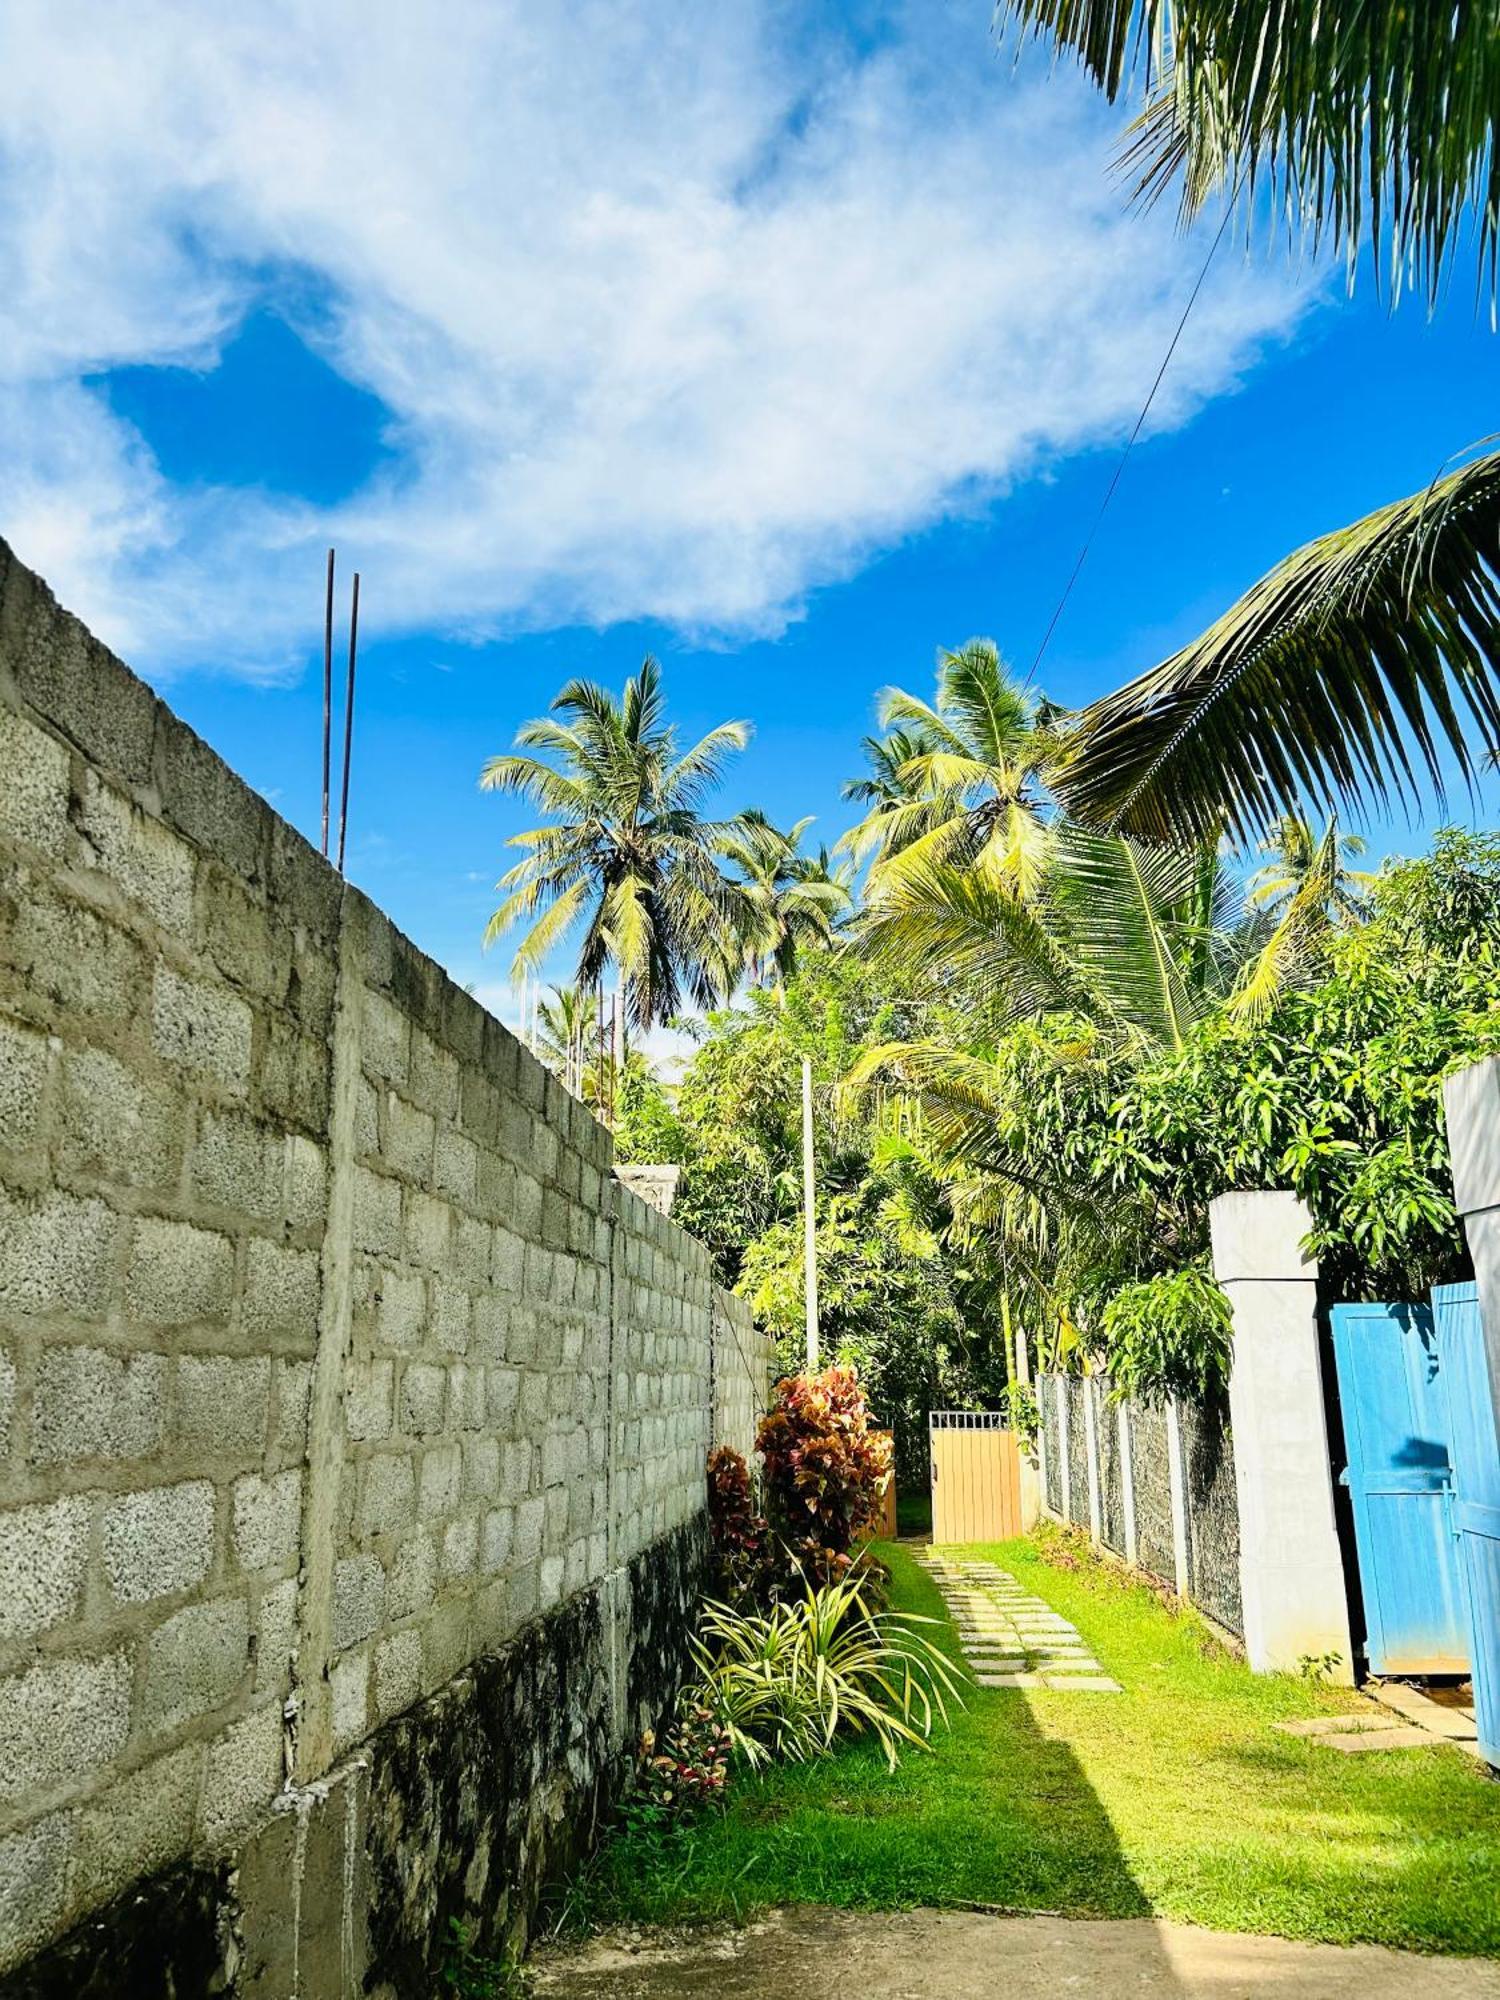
424, 1396
502, 1386
460, 1547
401, 1303
7, 1397
276, 1635
398, 1672
34, 1866
112, 1123
203, 1028
92, 1404
450, 1317
160, 1541
152, 868
267, 1519
358, 1599
62, 1719
481, 1468
72, 960
178, 1274
455, 1167
496, 1539
23, 1074
34, 797
195, 1662
384, 1034
442, 1471
377, 1214
282, 1291
243, 1774
223, 1402
368, 1400
413, 1578
516, 1467
306, 1182
349, 1679
56, 1253
406, 1139
138, 1825
237, 1163
388, 1499
428, 1229
43, 1555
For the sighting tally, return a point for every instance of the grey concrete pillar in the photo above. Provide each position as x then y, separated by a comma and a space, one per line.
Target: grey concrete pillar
1291, 1572
1471, 1101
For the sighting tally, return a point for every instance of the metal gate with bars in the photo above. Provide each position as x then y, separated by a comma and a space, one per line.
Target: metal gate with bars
976, 1477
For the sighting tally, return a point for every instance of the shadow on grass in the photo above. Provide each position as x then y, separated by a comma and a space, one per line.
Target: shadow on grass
997, 1815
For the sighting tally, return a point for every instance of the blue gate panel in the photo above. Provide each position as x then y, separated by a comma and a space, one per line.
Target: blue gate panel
1400, 1481
1476, 1491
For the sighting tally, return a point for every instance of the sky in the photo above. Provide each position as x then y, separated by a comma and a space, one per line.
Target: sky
788, 345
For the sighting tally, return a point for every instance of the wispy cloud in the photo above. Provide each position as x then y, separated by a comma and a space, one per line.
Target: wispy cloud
678, 311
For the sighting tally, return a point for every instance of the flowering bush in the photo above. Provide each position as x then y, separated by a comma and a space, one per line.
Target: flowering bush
688, 1768
826, 1468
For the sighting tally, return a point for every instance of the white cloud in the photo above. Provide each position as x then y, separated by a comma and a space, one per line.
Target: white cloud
679, 311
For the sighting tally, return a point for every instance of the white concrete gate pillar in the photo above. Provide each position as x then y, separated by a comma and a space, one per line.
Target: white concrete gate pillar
1471, 1101
1291, 1573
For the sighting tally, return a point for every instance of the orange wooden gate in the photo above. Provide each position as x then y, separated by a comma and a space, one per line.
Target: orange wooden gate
976, 1477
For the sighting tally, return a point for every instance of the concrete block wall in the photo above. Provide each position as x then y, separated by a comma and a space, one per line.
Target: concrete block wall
331, 1353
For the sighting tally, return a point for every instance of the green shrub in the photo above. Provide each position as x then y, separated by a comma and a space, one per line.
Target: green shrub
1169, 1336
784, 1683
686, 1769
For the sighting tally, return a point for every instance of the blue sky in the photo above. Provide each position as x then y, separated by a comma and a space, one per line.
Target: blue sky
809, 351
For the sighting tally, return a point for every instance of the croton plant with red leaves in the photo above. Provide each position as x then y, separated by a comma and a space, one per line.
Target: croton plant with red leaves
826, 1467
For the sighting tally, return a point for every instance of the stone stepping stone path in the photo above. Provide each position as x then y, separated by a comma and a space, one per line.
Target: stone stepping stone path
1011, 1638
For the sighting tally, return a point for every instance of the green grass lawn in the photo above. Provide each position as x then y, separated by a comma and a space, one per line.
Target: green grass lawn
1174, 1798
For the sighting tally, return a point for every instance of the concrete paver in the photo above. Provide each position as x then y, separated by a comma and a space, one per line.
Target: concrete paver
994, 1615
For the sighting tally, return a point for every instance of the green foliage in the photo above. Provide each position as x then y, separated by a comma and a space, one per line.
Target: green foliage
1168, 1336
783, 1684
470, 1974
685, 1770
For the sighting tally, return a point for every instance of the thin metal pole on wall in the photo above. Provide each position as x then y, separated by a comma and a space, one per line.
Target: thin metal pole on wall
809, 1226
349, 720
327, 702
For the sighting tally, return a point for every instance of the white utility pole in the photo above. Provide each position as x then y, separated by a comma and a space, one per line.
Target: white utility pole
809, 1228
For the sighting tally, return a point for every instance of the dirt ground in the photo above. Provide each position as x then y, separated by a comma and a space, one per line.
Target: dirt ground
921, 1954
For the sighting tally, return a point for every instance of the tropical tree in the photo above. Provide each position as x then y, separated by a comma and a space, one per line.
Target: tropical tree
563, 1024
1299, 862
625, 856
791, 901
1363, 653
972, 787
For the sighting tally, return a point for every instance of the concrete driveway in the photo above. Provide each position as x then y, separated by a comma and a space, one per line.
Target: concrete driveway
923, 1954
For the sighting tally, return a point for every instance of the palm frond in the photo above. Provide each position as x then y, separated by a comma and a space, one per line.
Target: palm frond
1375, 121
1364, 647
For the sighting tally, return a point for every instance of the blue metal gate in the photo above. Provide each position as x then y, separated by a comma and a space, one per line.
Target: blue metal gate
1400, 1481
1476, 1500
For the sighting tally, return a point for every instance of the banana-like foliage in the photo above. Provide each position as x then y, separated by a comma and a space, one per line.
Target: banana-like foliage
1119, 932
1361, 120
1341, 677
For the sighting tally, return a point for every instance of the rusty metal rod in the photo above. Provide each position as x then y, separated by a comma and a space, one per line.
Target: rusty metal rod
348, 720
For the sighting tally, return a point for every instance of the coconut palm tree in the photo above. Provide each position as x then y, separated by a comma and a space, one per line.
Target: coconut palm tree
625, 854
1345, 670
792, 901
1301, 864
973, 792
